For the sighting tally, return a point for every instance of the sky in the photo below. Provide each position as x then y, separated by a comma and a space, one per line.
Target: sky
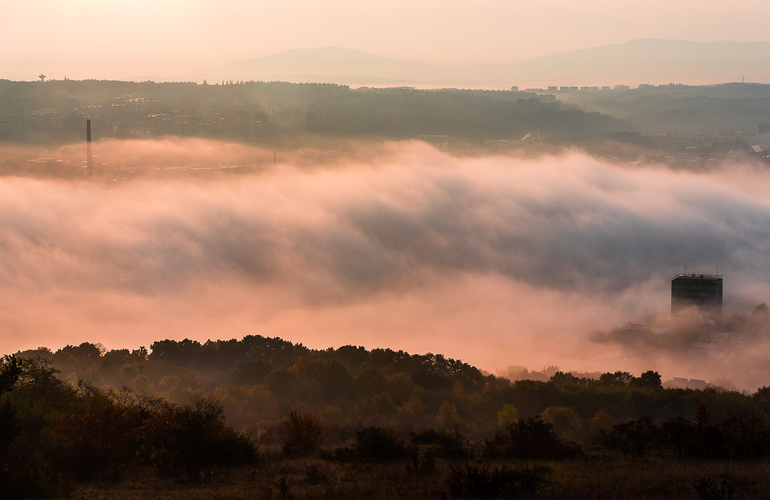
120, 39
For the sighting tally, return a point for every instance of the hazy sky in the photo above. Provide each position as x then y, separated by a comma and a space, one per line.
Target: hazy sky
119, 39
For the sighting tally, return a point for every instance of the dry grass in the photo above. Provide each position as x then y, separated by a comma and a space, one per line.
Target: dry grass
592, 478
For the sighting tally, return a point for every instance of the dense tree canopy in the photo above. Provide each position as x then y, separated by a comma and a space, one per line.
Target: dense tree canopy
180, 407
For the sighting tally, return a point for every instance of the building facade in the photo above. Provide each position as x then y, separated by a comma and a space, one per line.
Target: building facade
703, 291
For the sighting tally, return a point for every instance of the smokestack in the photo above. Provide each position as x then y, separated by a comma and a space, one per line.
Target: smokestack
88, 141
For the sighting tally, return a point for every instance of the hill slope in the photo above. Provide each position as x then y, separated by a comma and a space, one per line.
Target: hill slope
631, 63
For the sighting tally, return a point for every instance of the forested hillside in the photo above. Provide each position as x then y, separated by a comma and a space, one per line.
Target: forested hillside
259, 380
189, 411
261, 112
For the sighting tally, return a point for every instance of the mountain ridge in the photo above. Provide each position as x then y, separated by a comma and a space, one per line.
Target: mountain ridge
637, 61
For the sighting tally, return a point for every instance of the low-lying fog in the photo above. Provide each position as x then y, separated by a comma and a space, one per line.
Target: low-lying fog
494, 260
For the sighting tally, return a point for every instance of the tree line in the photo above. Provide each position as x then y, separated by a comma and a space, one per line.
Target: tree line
184, 409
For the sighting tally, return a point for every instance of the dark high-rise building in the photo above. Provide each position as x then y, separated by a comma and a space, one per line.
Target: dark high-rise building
701, 290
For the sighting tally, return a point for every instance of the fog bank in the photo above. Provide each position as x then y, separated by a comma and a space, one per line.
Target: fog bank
493, 260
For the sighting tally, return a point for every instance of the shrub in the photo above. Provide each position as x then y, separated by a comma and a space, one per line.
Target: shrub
9, 374
603, 421
708, 489
301, 433
315, 475
378, 443
634, 435
25, 474
442, 443
745, 435
421, 463
186, 440
564, 420
9, 425
93, 438
708, 441
481, 481
531, 438
678, 433
339, 454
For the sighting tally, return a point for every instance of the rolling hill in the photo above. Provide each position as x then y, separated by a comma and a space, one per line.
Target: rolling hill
638, 61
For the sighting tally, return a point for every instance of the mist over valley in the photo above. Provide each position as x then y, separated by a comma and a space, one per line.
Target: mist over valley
495, 259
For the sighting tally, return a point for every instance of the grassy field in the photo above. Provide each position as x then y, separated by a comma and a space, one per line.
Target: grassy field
592, 478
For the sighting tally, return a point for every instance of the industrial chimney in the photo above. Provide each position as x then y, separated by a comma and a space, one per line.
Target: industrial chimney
88, 141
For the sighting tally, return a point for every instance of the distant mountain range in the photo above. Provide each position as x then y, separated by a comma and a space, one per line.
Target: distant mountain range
638, 61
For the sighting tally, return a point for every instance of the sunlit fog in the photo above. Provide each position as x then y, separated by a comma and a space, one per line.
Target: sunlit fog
492, 259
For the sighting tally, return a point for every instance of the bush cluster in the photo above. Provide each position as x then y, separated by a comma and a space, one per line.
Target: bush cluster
744, 435
57, 432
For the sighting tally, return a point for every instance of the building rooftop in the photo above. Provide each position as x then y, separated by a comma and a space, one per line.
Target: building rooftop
698, 276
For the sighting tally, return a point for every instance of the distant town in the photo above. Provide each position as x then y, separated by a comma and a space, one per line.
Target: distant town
680, 125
